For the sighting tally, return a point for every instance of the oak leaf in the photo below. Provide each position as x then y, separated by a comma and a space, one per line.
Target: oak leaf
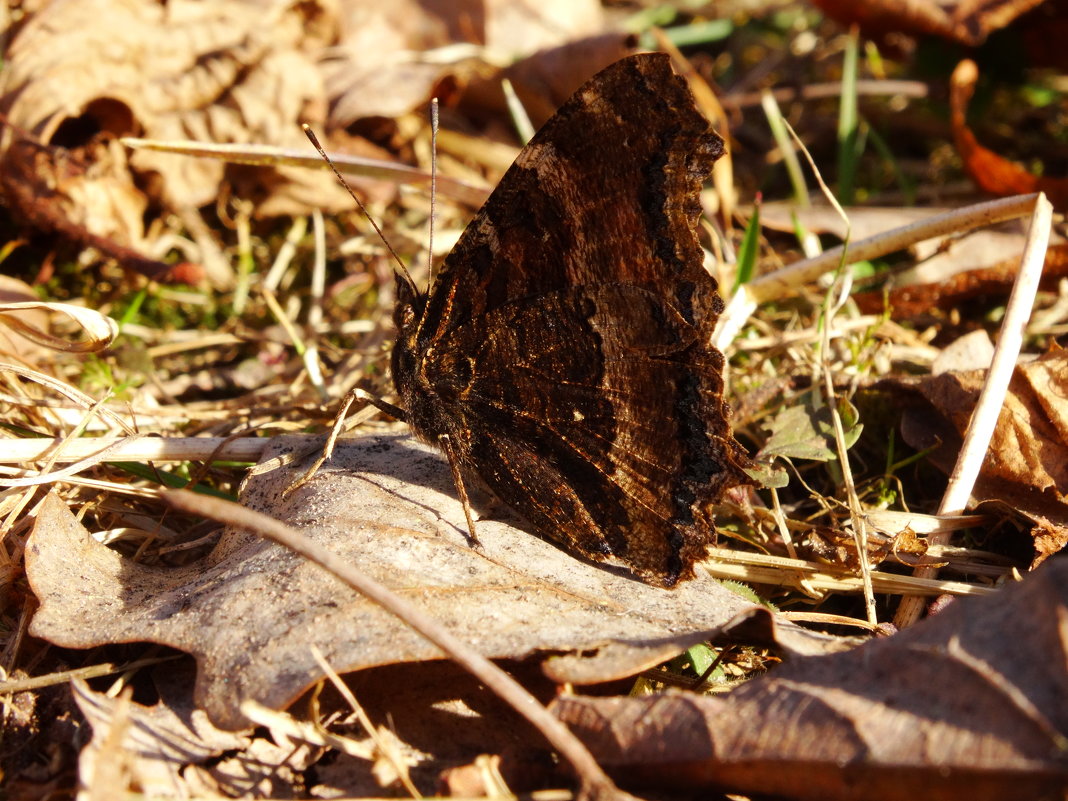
251, 610
969, 705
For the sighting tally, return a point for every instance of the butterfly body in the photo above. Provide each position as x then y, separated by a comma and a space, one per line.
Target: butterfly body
563, 348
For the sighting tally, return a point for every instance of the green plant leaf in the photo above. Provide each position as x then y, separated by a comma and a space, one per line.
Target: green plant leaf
805, 431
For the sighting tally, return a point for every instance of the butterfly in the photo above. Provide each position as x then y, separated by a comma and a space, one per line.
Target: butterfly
562, 353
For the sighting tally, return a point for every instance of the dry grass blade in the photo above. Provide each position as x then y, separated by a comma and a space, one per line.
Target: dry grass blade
303, 731
100, 330
781, 282
107, 453
779, 571
842, 285
66, 390
134, 449
985, 417
384, 748
463, 191
8, 688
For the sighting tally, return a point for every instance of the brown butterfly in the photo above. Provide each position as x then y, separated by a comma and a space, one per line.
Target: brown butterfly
562, 354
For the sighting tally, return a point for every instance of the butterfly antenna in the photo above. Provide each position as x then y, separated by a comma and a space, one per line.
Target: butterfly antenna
315, 141
433, 185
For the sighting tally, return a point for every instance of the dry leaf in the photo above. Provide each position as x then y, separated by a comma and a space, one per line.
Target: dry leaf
78, 76
949, 270
969, 705
547, 78
1026, 465
973, 351
251, 610
386, 65
990, 171
99, 330
234, 71
968, 22
161, 744
913, 300
753, 626
12, 345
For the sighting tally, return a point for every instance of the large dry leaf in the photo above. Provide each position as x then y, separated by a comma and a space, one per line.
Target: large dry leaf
1026, 465
382, 67
969, 705
251, 611
232, 71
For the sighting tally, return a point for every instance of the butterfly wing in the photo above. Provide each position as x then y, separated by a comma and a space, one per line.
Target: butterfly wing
563, 347
606, 191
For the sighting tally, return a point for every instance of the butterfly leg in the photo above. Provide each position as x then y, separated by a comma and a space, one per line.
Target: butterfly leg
458, 479
335, 430
396, 412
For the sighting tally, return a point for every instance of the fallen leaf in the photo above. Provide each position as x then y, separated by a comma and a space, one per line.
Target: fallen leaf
973, 351
161, 743
53, 191
969, 705
1026, 465
950, 292
755, 626
949, 270
13, 345
963, 21
171, 750
545, 79
990, 171
99, 330
382, 67
251, 610
79, 75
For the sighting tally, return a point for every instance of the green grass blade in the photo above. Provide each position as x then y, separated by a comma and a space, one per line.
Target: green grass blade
848, 126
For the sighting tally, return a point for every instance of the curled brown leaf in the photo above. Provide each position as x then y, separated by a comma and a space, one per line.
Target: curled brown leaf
991, 171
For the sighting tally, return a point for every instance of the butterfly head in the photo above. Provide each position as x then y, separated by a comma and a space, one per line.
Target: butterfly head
407, 312
408, 364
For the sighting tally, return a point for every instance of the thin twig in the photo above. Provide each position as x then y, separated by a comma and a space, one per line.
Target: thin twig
66, 390
88, 672
844, 280
992, 398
